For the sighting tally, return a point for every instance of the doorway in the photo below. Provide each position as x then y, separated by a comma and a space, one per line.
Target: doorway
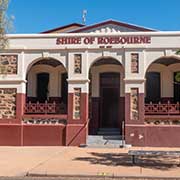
109, 100
42, 87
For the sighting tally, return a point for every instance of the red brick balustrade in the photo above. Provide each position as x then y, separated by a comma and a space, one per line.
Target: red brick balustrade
162, 109
45, 108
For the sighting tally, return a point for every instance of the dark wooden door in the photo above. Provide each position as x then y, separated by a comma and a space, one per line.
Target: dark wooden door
42, 86
153, 87
109, 92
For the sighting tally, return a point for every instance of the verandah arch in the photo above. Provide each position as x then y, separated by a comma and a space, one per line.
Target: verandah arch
160, 76
106, 94
46, 83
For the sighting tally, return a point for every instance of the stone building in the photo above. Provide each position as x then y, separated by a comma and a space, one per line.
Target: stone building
60, 86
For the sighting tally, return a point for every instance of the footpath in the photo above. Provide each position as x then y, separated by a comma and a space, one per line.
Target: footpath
84, 162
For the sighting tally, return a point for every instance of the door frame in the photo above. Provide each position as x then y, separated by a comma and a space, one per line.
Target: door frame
100, 124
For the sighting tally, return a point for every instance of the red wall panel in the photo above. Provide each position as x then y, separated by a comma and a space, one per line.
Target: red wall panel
43, 135
153, 135
10, 135
163, 136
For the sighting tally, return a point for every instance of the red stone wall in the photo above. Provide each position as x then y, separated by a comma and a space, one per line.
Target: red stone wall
140, 119
134, 102
76, 134
153, 135
32, 135
83, 109
43, 135
8, 64
7, 103
10, 135
77, 129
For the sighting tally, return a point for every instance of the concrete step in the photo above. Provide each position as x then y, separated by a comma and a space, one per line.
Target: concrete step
104, 138
106, 141
103, 141
108, 131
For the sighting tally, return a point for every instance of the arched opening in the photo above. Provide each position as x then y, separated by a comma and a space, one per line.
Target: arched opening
106, 95
162, 95
46, 90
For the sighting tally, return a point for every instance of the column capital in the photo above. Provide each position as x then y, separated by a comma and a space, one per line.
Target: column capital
136, 81
79, 81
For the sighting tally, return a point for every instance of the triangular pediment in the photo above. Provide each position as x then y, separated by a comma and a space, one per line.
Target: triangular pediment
110, 26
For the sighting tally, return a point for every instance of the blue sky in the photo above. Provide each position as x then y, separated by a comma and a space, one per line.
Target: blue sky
34, 16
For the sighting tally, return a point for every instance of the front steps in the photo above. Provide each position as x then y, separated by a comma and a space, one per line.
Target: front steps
106, 138
108, 131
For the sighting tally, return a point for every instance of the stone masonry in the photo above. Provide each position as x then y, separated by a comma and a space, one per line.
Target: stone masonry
8, 64
134, 104
7, 103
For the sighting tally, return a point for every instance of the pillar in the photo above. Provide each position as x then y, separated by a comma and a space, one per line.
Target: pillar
20, 101
134, 113
77, 123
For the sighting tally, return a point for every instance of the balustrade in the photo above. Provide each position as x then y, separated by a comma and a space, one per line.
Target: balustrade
162, 109
45, 108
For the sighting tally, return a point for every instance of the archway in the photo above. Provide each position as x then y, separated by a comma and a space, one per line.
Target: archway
160, 76
46, 87
162, 95
106, 95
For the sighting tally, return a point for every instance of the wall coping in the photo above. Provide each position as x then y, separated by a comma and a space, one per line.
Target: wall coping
78, 80
134, 80
159, 33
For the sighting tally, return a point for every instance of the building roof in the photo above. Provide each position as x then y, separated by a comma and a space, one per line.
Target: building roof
64, 28
77, 27
114, 22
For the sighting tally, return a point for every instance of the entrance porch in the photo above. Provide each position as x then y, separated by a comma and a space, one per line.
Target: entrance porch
106, 101
46, 93
163, 92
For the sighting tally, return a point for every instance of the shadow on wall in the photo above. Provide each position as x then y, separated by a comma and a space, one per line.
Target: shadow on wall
123, 159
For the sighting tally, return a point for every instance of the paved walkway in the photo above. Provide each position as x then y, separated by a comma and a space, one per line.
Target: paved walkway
18, 161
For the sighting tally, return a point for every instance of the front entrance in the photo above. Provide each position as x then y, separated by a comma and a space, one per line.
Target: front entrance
109, 100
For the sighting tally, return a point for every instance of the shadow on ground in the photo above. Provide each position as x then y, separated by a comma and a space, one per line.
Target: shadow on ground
122, 159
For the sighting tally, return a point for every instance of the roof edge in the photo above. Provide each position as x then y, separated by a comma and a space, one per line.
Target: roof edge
62, 27
110, 21
151, 33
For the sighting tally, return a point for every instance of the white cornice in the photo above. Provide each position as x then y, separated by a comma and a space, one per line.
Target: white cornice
134, 80
77, 80
159, 33
11, 81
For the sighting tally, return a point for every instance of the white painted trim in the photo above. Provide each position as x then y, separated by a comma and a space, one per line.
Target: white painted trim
78, 80
134, 80
12, 81
159, 33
